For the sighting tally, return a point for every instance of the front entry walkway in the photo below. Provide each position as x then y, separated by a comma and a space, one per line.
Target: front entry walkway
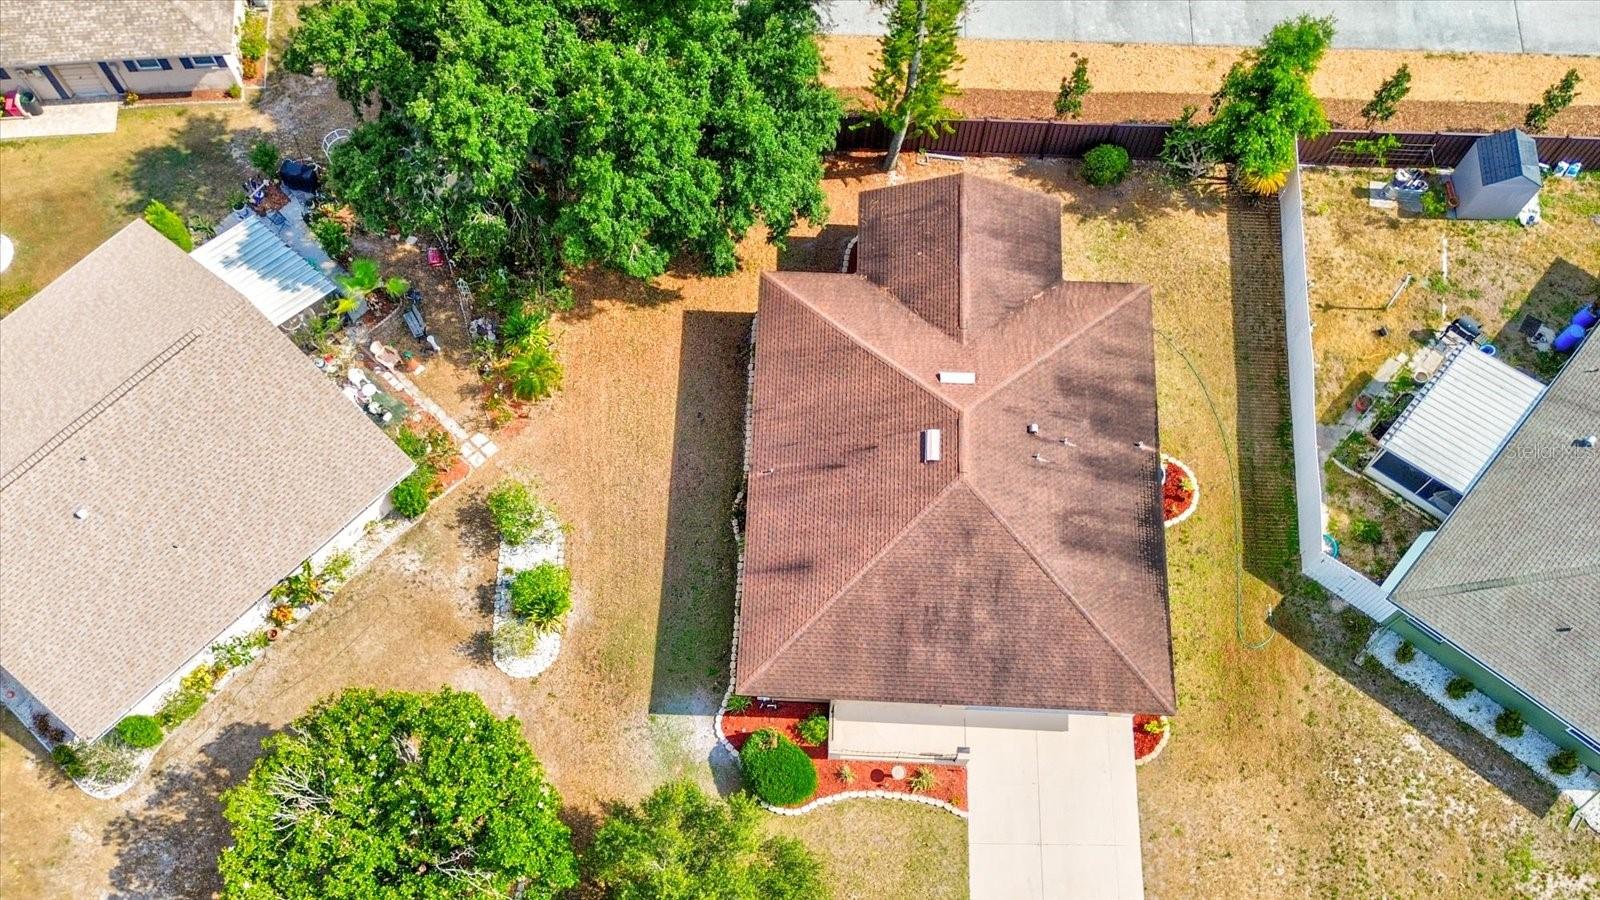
86, 117
1054, 811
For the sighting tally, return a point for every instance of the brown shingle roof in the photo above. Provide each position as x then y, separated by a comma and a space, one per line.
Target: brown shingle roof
209, 455
1021, 569
43, 32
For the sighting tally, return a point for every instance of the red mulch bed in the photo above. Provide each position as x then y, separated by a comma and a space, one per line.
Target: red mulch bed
1144, 743
1175, 497
950, 782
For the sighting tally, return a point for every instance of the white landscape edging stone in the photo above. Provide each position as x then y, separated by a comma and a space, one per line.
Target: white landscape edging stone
1194, 500
1477, 710
549, 546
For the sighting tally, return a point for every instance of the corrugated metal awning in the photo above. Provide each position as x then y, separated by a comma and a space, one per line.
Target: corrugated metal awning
1462, 418
252, 259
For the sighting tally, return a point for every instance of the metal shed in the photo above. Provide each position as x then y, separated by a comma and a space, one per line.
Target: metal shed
1435, 450
257, 263
1497, 177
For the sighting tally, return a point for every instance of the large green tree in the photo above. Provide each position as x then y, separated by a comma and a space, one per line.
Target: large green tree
542, 132
915, 70
1265, 103
680, 844
396, 795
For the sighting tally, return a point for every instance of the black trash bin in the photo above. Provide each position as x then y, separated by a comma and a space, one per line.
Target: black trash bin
300, 176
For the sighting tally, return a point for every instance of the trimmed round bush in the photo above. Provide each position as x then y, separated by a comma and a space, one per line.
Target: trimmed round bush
542, 594
813, 729
411, 496
1405, 653
1458, 687
776, 769
517, 515
1106, 164
1509, 723
139, 732
1563, 762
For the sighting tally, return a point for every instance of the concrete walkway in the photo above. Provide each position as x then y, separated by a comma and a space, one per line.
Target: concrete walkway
1054, 810
58, 119
1494, 26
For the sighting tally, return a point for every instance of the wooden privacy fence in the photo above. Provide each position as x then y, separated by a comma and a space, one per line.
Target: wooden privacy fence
1041, 137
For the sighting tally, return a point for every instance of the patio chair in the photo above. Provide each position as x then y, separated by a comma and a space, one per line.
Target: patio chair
386, 356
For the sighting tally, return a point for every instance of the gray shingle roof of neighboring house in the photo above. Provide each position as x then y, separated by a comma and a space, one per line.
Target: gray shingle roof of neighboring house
208, 456
45, 32
1509, 154
1513, 576
1020, 569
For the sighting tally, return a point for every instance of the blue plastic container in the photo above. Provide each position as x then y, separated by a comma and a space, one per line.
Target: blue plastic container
1585, 317
1569, 339
1488, 349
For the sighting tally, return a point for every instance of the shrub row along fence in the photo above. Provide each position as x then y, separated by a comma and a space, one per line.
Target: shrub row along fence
1039, 137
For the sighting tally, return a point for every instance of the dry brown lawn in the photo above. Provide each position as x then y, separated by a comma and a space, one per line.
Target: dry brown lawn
1499, 271
1292, 771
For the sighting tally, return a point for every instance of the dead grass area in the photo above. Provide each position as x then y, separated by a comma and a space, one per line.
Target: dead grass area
1020, 79
1290, 770
1358, 513
1499, 272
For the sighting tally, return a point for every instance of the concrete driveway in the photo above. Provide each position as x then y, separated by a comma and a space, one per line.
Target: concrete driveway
1496, 26
1054, 810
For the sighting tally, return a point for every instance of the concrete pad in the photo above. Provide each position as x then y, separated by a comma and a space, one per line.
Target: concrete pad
60, 119
1005, 871
1559, 26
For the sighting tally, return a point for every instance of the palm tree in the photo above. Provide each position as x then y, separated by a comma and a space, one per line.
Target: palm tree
362, 280
533, 372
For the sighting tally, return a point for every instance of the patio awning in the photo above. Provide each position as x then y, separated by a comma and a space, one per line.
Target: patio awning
254, 261
1465, 413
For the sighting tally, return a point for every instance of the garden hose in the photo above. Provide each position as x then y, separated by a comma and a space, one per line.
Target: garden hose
1238, 507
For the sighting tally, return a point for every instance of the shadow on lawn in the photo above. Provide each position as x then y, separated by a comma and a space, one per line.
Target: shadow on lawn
194, 173
1560, 291
1336, 639
696, 613
167, 846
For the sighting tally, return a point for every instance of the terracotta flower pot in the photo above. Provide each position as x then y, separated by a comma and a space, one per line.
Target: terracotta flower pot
272, 634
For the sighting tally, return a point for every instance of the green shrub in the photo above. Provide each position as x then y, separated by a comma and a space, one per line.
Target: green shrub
1563, 762
738, 703
167, 222
813, 729
181, 705
413, 494
253, 36
1557, 97
1458, 687
1367, 532
331, 235
1069, 102
1434, 204
923, 781
1105, 164
265, 157
139, 732
542, 594
776, 769
66, 756
235, 652
517, 637
517, 515
433, 450
235, 92
1510, 724
1405, 653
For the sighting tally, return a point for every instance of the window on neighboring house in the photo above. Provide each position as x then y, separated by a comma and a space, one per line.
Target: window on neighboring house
1584, 739
205, 62
144, 65
4, 75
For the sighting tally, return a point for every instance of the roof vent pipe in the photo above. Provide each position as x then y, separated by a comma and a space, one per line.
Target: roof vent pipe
81, 513
930, 445
1033, 427
1588, 440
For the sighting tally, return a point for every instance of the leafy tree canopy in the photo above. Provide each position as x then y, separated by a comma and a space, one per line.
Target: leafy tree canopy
680, 844
396, 795
537, 132
1265, 101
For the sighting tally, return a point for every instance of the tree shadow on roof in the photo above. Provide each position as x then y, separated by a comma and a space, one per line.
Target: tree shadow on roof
167, 846
822, 252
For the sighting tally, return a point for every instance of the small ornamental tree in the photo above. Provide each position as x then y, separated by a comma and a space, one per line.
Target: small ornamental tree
167, 222
397, 795
1265, 103
139, 732
914, 74
532, 371
1189, 151
681, 844
776, 769
1557, 97
1105, 165
1069, 102
265, 157
1381, 108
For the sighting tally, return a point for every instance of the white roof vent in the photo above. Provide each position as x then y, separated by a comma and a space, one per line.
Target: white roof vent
958, 377
930, 445
80, 513
1588, 440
